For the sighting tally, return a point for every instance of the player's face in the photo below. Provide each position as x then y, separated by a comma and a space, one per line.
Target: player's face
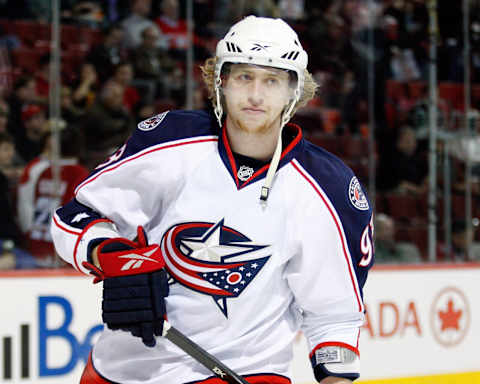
255, 97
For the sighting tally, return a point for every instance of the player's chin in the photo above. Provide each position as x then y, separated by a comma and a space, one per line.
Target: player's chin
254, 125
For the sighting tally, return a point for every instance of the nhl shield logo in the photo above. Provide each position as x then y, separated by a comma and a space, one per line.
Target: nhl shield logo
152, 122
356, 195
244, 173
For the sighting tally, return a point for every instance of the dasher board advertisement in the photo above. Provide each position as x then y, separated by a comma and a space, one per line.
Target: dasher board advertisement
420, 321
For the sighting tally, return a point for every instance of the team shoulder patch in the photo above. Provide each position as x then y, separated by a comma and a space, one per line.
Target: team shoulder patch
152, 122
356, 195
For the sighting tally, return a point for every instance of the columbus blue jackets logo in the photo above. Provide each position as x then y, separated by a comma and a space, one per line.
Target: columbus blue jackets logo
213, 259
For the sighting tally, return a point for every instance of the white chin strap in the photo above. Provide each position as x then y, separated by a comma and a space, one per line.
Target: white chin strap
218, 108
276, 154
278, 149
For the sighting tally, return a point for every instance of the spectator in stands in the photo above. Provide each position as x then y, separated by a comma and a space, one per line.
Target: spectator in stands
292, 10
41, 76
403, 169
137, 22
88, 13
4, 111
24, 93
69, 111
85, 89
106, 125
475, 43
410, 20
35, 124
123, 75
173, 28
11, 256
152, 63
8, 40
108, 54
37, 193
7, 153
265, 8
387, 250
403, 65
8, 156
366, 22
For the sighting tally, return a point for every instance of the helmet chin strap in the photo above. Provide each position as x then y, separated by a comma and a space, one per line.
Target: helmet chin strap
218, 108
277, 153
286, 115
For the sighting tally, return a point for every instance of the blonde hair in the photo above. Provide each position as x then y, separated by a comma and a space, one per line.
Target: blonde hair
208, 75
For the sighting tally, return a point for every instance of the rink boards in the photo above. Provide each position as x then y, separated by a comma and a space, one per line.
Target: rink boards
423, 326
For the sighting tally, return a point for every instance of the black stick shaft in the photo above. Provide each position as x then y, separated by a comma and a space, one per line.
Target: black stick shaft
202, 356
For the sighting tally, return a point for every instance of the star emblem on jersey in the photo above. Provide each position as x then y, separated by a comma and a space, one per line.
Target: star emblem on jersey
213, 259
244, 172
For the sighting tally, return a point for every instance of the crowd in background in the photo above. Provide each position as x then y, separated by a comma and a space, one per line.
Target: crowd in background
124, 61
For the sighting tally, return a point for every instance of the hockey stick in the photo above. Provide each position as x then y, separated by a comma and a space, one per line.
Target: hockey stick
202, 356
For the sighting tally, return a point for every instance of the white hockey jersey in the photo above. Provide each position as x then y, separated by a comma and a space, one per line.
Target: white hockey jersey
246, 277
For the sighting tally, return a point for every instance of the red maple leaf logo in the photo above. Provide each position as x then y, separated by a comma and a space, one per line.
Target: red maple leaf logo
450, 318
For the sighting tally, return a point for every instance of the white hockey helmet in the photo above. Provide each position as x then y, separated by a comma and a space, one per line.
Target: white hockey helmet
262, 41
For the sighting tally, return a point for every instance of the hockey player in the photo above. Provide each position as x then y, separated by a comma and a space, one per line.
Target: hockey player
261, 233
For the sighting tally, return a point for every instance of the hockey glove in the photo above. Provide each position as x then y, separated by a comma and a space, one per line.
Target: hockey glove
135, 285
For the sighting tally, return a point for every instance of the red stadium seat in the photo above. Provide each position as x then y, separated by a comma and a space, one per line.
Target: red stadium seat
31, 31
404, 208
70, 34
395, 90
90, 36
453, 93
7, 25
417, 90
26, 59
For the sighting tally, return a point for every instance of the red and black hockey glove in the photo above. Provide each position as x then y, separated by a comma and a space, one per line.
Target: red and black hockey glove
135, 285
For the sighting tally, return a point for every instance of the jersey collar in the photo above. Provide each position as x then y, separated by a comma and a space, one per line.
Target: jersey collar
287, 154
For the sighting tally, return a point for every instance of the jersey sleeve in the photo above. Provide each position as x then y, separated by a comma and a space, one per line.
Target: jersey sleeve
128, 189
333, 237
